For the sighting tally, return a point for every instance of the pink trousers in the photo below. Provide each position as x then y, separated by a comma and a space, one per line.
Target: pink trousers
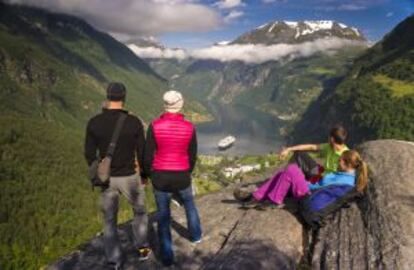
276, 188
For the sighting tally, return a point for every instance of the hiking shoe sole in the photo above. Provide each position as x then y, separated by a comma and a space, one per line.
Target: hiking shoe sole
144, 253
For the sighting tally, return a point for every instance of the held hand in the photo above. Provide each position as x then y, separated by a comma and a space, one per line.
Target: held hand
144, 181
284, 153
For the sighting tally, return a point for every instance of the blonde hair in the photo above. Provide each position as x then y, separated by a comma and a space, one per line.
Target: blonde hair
353, 159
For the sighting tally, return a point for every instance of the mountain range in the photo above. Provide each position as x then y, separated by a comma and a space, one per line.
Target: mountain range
297, 32
53, 73
283, 87
369, 90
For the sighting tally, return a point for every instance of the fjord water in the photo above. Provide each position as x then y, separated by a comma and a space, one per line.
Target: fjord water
256, 132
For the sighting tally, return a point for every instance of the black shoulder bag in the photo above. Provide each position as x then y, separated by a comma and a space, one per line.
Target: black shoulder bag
100, 171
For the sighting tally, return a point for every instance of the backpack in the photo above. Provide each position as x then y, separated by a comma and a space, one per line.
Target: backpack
325, 201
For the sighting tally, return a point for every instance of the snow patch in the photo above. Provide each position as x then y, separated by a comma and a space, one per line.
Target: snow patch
223, 43
291, 24
272, 27
262, 26
314, 26
356, 31
310, 26
297, 33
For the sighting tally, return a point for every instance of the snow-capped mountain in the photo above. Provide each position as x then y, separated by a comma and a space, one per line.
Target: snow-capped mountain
298, 32
279, 67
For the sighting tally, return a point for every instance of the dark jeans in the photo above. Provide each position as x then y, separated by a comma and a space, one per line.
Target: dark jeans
306, 163
163, 200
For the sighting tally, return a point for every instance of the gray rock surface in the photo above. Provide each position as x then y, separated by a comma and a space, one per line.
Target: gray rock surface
234, 237
377, 232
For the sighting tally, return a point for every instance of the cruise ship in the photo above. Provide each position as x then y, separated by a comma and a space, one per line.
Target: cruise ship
226, 143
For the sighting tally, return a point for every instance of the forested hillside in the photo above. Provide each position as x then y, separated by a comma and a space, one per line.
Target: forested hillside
53, 73
376, 99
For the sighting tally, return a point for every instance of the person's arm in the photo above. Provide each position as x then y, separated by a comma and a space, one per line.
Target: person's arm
140, 145
328, 179
301, 147
314, 186
150, 147
91, 146
192, 151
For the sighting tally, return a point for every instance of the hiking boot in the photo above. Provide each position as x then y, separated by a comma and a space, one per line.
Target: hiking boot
243, 194
116, 266
252, 203
168, 265
144, 253
277, 206
196, 241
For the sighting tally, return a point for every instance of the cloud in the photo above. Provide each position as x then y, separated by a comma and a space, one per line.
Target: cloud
347, 5
155, 52
273, 1
351, 7
226, 4
234, 14
389, 14
258, 53
137, 17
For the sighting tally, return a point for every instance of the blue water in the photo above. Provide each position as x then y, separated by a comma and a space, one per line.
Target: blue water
256, 132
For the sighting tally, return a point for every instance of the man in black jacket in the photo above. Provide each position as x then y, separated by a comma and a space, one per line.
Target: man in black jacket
125, 177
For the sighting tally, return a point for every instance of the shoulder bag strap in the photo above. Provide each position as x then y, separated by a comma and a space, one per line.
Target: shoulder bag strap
115, 135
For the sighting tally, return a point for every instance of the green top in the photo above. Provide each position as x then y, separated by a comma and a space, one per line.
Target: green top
331, 157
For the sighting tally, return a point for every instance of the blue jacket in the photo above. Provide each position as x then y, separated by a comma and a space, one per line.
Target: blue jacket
336, 178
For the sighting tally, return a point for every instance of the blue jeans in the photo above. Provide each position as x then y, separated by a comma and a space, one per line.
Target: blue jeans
163, 200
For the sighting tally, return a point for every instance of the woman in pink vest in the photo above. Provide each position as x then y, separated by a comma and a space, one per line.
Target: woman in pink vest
170, 157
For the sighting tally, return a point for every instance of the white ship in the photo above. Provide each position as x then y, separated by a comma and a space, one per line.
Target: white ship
226, 143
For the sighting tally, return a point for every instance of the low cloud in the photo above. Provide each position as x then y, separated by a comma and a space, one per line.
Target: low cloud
155, 52
257, 53
225, 4
137, 17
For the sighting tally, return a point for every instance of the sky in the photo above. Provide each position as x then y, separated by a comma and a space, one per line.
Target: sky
194, 24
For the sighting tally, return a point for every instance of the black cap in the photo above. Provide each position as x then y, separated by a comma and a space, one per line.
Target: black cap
116, 92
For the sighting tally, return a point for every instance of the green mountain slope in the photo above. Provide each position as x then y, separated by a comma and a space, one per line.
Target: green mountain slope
53, 73
63, 62
284, 89
376, 99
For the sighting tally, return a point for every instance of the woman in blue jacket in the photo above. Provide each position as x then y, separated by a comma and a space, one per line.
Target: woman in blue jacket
352, 170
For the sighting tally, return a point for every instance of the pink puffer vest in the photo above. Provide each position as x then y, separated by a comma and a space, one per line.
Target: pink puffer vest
173, 135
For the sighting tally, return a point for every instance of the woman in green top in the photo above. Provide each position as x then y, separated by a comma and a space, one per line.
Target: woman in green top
329, 152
